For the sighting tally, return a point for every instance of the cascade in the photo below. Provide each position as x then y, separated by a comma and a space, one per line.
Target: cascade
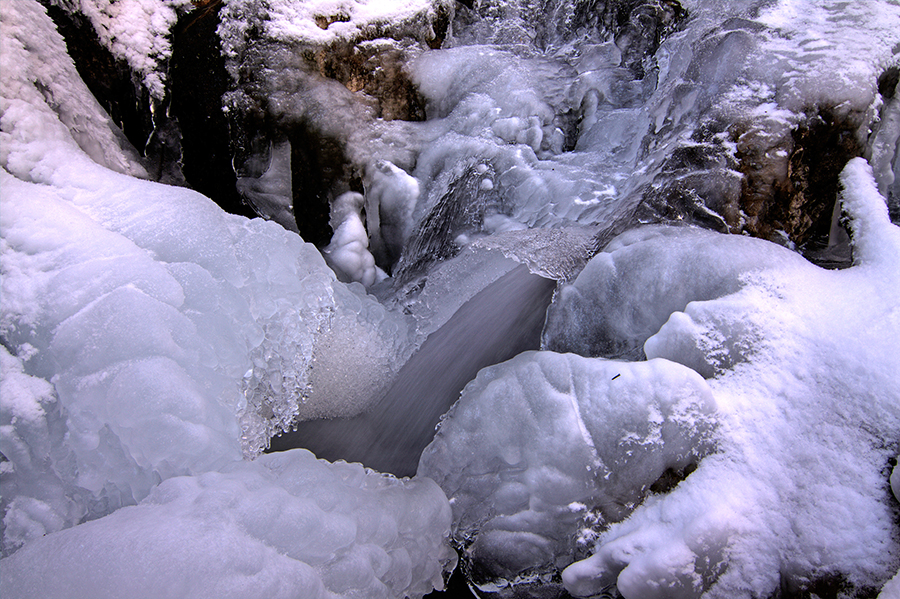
499, 322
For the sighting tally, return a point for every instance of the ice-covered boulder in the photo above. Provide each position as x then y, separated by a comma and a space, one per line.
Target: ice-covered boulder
544, 451
286, 525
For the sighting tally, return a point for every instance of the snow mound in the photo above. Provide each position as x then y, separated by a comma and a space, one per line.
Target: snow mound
542, 451
286, 525
808, 426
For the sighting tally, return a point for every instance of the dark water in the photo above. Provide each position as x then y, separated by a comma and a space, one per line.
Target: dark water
501, 321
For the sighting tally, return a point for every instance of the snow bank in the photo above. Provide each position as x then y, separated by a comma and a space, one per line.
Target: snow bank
808, 424
286, 525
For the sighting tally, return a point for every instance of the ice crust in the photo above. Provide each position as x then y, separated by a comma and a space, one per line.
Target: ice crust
608, 431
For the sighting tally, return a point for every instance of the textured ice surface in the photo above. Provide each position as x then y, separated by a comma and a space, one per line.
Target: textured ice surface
175, 335
808, 425
36, 499
285, 525
544, 450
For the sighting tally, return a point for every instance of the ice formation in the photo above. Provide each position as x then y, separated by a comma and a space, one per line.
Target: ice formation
152, 343
610, 432
348, 253
286, 525
150, 337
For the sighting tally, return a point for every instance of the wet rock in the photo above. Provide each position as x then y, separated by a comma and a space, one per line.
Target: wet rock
765, 179
198, 82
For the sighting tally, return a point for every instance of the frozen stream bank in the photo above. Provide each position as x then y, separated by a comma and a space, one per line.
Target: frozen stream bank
705, 412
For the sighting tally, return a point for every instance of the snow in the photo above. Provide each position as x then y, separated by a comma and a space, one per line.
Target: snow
808, 420
38, 75
152, 345
627, 292
342, 19
286, 525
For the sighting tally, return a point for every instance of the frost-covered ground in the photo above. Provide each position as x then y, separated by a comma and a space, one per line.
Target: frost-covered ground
729, 429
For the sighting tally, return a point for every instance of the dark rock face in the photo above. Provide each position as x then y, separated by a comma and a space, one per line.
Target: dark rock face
198, 82
320, 171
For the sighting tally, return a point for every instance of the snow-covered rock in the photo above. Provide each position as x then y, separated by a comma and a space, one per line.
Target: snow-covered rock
808, 423
544, 451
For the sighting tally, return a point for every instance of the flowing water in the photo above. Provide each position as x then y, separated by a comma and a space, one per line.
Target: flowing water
501, 321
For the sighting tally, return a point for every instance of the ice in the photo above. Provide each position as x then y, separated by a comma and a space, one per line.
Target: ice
545, 449
391, 197
36, 500
808, 422
627, 291
266, 184
286, 525
348, 253
177, 337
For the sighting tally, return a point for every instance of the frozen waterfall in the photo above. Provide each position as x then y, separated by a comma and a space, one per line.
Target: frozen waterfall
574, 298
